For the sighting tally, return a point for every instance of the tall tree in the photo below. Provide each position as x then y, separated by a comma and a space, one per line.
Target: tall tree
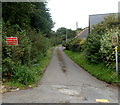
28, 14
19, 13
41, 19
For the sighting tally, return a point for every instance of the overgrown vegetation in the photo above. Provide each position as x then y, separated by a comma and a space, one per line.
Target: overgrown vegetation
76, 45
31, 23
28, 76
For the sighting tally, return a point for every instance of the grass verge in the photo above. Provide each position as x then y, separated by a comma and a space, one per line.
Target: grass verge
100, 71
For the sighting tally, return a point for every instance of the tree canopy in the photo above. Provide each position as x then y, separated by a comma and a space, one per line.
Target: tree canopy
33, 15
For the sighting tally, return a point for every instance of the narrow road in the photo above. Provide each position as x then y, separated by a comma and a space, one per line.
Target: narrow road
64, 82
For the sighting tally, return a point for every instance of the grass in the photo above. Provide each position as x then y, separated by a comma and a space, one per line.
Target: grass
100, 71
36, 69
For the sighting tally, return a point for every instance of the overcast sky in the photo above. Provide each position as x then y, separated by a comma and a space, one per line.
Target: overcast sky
65, 13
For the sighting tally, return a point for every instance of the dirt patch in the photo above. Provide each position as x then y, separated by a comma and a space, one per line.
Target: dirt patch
61, 60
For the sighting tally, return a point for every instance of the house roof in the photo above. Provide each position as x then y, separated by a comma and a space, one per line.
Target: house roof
83, 34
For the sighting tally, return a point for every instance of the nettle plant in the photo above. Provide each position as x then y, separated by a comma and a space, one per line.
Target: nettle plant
107, 49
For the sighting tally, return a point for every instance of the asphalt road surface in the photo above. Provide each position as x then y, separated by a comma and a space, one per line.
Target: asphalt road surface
65, 82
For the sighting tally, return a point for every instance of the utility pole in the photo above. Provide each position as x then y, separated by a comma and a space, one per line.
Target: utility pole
66, 35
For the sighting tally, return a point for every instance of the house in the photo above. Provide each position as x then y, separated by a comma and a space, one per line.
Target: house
83, 34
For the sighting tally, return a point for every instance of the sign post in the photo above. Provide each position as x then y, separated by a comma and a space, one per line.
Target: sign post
115, 43
116, 56
66, 38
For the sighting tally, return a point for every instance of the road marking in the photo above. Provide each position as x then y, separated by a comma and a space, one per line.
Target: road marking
102, 100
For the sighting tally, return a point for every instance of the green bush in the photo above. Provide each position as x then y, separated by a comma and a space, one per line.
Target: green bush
22, 52
40, 45
99, 45
107, 49
31, 49
76, 45
23, 75
92, 48
8, 67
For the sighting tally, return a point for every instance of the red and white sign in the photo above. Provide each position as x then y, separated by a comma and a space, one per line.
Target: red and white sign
12, 40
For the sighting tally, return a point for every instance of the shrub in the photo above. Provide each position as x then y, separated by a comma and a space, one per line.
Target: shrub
31, 49
92, 48
40, 44
22, 52
99, 45
8, 67
76, 45
23, 75
107, 49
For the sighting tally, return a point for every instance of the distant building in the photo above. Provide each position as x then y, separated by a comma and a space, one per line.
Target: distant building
83, 34
97, 18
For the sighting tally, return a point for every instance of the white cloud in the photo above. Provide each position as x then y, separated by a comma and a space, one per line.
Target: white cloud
65, 13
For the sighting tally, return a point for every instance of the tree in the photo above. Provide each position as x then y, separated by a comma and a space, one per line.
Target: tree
19, 13
61, 32
41, 19
28, 15
71, 34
